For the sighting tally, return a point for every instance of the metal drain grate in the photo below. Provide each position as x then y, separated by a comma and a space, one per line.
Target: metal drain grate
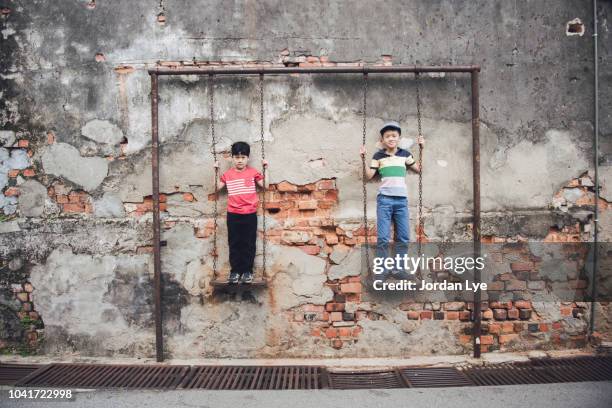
12, 373
106, 376
345, 380
508, 374
543, 371
584, 368
254, 378
536, 371
428, 377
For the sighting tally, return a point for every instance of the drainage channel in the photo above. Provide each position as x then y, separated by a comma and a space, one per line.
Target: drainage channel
535, 371
254, 378
542, 371
430, 377
10, 374
175, 377
346, 380
106, 376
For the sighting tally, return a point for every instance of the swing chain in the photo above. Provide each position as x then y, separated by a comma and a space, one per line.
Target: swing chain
263, 171
363, 171
420, 230
444, 243
211, 93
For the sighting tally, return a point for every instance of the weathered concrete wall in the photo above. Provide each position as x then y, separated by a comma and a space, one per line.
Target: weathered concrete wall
75, 166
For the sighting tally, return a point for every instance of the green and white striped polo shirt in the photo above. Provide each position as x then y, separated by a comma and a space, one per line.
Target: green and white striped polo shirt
392, 170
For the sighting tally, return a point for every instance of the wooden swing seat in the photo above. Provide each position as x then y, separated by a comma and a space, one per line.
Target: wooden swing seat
225, 284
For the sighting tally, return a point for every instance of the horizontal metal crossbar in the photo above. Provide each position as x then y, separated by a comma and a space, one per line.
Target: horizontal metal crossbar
351, 69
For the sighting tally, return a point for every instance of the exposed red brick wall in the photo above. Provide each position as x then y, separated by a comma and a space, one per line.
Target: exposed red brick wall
315, 231
30, 319
70, 201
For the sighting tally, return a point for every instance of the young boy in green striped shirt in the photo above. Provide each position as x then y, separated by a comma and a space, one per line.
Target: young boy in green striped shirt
391, 163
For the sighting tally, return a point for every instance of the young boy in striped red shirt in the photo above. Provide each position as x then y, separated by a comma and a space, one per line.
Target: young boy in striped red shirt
242, 203
391, 162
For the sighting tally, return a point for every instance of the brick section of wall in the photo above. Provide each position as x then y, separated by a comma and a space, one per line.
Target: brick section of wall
535, 333
138, 209
11, 189
310, 206
30, 319
26, 173
70, 201
302, 201
313, 229
336, 321
307, 61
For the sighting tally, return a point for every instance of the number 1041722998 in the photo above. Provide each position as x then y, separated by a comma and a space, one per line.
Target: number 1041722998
35, 393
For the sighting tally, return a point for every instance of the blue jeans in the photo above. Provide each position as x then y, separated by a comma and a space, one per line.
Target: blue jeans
392, 209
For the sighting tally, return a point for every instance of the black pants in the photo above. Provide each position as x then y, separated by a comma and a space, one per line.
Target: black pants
241, 235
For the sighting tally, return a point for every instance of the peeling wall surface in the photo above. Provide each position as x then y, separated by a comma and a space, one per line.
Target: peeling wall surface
75, 169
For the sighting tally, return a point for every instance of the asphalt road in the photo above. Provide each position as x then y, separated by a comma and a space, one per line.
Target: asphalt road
583, 395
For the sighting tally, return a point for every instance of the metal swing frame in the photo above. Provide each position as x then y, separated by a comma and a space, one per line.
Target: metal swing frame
155, 73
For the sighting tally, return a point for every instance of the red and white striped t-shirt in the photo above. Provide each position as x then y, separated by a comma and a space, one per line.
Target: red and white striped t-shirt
241, 192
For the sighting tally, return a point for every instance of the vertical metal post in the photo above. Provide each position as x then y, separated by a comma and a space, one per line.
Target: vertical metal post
596, 175
476, 222
159, 346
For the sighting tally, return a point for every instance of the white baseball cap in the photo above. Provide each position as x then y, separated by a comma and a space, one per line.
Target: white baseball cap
391, 125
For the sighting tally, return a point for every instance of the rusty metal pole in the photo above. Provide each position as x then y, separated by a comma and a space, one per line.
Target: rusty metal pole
476, 327
159, 346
